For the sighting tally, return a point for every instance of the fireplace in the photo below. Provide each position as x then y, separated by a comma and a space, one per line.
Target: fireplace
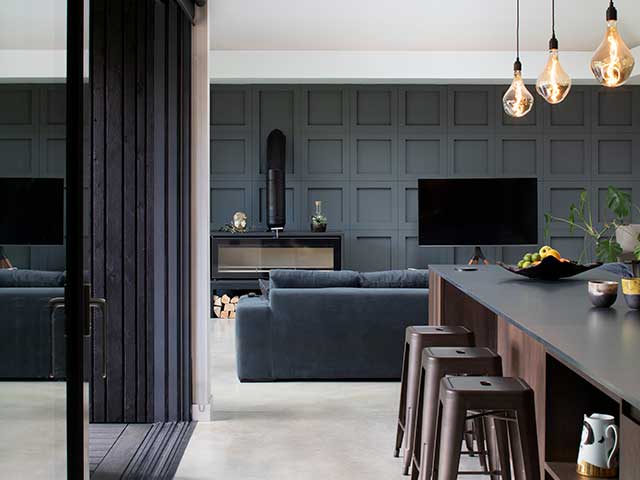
238, 260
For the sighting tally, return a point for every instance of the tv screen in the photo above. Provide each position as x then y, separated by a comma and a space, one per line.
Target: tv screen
31, 211
478, 211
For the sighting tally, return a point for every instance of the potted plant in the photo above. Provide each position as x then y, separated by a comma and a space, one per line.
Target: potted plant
615, 237
318, 220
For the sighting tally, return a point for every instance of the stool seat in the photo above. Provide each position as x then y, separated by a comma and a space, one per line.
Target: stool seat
505, 400
439, 363
416, 339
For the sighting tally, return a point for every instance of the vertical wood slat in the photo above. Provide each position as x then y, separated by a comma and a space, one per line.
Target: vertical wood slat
141, 206
171, 202
114, 206
98, 96
129, 313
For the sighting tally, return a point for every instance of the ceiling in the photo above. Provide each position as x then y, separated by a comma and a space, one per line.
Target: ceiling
33, 24
368, 25
428, 25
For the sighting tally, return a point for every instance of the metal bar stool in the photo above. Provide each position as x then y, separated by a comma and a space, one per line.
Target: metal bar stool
504, 399
438, 362
416, 339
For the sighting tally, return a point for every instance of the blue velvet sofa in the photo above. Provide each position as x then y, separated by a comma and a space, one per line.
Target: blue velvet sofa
329, 325
25, 327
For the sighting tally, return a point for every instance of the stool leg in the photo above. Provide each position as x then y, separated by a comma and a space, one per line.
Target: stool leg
502, 448
492, 448
413, 378
430, 402
417, 426
451, 430
468, 436
403, 402
478, 433
516, 451
529, 455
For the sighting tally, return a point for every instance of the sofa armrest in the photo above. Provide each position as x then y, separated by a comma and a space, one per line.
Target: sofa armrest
253, 339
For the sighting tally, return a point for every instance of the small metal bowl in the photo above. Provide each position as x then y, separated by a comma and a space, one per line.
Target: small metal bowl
603, 293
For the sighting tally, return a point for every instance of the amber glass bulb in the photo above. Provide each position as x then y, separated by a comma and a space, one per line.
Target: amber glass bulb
612, 63
553, 83
517, 101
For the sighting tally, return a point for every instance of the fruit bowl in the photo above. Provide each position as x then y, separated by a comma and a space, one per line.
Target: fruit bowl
550, 268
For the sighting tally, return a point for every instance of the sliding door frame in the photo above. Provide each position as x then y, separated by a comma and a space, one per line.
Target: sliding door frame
75, 312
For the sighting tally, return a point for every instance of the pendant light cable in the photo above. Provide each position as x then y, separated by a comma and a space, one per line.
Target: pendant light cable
553, 18
517, 30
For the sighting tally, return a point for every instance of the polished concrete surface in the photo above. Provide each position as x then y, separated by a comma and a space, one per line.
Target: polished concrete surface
32, 430
293, 430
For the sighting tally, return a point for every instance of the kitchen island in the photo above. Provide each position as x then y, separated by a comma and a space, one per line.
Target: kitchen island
578, 359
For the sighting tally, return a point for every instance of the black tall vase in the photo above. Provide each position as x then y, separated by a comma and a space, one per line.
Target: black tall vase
276, 158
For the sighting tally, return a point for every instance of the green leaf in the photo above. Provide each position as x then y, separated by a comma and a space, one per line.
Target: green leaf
636, 251
608, 250
619, 202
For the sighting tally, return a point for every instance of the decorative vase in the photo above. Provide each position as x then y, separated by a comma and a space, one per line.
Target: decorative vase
318, 220
627, 237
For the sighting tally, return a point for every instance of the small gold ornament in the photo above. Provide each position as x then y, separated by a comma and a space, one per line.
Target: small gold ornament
240, 221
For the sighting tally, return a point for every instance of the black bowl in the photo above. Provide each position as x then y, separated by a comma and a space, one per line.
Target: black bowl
550, 268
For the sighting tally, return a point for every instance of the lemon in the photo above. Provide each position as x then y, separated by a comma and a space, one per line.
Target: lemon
526, 264
536, 257
544, 250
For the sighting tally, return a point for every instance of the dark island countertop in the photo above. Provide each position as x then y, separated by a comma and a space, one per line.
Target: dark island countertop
604, 344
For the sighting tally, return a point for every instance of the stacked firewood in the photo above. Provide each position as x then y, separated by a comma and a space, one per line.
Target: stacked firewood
224, 306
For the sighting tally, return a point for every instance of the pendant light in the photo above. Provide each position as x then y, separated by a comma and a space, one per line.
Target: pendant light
612, 62
553, 83
517, 102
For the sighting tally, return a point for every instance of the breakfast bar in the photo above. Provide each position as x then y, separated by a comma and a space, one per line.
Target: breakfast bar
578, 359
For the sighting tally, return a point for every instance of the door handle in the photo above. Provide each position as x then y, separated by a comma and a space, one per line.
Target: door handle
101, 304
54, 304
92, 302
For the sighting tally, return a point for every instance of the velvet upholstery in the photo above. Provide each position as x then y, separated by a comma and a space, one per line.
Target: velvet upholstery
16, 278
313, 279
25, 336
395, 279
326, 333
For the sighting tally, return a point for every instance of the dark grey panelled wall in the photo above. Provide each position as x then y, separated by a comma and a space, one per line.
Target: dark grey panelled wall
360, 149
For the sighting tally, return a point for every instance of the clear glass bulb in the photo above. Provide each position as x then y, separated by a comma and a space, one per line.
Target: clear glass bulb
517, 101
553, 83
612, 63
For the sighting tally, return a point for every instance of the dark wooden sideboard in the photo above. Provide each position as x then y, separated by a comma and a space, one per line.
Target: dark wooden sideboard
578, 360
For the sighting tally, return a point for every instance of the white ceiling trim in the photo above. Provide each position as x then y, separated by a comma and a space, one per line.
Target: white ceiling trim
290, 66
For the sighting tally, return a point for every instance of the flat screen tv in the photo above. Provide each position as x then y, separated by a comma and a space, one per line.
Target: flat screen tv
31, 211
478, 211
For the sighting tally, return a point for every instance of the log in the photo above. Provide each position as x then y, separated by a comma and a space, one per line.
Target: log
224, 314
217, 311
217, 301
235, 299
232, 314
229, 307
225, 298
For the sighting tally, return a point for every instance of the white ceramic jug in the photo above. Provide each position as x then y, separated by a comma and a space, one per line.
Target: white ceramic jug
598, 447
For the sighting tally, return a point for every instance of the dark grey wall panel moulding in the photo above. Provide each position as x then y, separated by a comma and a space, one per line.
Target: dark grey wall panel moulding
361, 149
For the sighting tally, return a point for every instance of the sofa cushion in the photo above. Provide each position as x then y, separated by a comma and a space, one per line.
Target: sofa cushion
395, 279
31, 278
313, 279
618, 269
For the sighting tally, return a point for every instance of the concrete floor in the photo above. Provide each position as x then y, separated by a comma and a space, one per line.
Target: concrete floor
293, 430
33, 430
